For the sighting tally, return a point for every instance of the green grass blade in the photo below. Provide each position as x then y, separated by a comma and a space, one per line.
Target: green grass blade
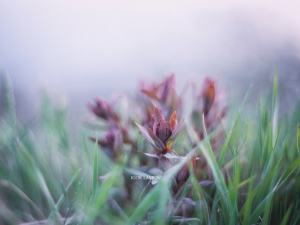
9, 100
144, 205
296, 218
224, 149
203, 204
185, 190
267, 200
6, 183
59, 202
95, 171
102, 195
67, 188
274, 106
218, 176
65, 194
286, 216
225, 146
214, 210
298, 139
183, 194
43, 185
163, 199
288, 172
86, 150
246, 209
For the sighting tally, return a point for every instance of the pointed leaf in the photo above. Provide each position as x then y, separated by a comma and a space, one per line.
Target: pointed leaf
156, 140
151, 94
205, 183
149, 154
173, 120
135, 172
157, 114
147, 136
188, 201
176, 132
171, 156
154, 124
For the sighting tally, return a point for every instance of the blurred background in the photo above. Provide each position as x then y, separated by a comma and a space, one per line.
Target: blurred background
79, 49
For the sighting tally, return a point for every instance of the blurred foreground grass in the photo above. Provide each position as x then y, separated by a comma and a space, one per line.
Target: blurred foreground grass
50, 177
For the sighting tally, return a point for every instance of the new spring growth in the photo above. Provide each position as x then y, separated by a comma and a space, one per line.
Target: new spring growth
103, 110
208, 95
164, 133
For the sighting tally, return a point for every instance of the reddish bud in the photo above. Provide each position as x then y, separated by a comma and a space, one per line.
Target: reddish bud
100, 109
163, 130
208, 95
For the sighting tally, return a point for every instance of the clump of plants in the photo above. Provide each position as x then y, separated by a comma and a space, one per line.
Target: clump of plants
160, 135
155, 156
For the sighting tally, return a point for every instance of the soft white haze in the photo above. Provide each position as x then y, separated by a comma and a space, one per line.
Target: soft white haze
84, 48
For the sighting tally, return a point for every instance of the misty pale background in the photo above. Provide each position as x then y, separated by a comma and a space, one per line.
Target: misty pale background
79, 49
